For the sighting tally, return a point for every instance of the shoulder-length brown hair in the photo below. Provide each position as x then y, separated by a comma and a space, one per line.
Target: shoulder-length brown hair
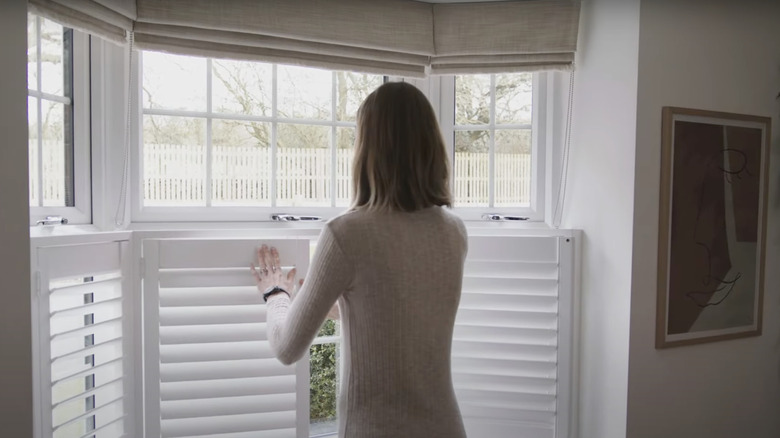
400, 158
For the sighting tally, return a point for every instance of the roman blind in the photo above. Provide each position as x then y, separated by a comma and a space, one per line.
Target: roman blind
512, 345
109, 19
396, 37
209, 370
84, 376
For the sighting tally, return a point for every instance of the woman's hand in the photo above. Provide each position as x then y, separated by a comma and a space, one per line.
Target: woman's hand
268, 272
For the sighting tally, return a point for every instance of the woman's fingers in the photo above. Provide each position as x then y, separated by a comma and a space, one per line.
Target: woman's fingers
277, 263
291, 277
254, 272
267, 258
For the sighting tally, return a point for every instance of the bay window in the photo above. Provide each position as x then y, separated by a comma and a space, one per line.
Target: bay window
165, 332
241, 140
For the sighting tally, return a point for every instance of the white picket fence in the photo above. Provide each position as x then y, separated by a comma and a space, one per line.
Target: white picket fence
176, 175
53, 180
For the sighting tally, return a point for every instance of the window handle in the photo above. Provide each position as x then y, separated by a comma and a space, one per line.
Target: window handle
502, 217
52, 220
281, 217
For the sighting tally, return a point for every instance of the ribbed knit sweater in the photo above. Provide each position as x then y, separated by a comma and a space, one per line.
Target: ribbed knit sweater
397, 278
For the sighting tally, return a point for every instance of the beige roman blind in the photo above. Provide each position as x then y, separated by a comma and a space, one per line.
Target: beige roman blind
387, 37
109, 19
509, 36
394, 37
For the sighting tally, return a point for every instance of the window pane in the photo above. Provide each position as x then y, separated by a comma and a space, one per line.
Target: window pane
304, 93
303, 165
174, 161
352, 89
241, 163
32, 53
57, 155
513, 167
472, 100
472, 168
345, 149
513, 98
52, 58
242, 87
322, 392
174, 82
32, 142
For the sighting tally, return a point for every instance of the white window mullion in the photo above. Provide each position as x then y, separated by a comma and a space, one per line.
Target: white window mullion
274, 131
209, 149
333, 139
447, 120
492, 144
40, 109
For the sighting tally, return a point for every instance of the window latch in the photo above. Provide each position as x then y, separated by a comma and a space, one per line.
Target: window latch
281, 217
52, 220
502, 217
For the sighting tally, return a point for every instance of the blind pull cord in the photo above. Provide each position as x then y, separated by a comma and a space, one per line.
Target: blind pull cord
561, 198
120, 216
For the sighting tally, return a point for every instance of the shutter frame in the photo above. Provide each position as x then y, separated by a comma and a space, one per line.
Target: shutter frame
168, 344
521, 382
61, 394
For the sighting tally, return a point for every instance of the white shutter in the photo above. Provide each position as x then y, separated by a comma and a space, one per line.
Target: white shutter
209, 369
511, 354
83, 373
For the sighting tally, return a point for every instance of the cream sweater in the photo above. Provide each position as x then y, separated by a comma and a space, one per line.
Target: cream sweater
397, 278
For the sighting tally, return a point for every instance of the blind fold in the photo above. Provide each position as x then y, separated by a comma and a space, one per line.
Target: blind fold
210, 368
109, 19
398, 37
504, 36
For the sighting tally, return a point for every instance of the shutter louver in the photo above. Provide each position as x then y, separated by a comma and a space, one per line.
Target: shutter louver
210, 369
507, 341
82, 331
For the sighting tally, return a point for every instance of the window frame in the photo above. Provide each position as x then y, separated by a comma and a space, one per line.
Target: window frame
440, 90
81, 211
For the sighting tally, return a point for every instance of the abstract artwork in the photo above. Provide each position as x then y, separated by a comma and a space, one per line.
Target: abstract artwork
712, 226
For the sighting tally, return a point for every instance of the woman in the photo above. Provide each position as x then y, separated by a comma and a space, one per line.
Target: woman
394, 264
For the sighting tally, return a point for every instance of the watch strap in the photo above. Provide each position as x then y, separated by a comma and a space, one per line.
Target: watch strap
273, 290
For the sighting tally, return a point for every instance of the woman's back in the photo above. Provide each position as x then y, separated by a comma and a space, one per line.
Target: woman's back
398, 314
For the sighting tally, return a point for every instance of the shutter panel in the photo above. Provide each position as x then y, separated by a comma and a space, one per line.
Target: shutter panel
84, 373
511, 344
209, 367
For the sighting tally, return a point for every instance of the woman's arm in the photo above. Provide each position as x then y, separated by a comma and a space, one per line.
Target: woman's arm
293, 324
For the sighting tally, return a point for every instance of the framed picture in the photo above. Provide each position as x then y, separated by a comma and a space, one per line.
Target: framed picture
712, 226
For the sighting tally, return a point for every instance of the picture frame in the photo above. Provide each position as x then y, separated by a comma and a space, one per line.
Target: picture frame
712, 226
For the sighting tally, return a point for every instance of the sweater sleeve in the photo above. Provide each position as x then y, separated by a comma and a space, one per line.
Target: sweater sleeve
292, 326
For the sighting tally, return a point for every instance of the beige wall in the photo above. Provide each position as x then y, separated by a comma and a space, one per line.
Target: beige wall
15, 351
719, 55
600, 202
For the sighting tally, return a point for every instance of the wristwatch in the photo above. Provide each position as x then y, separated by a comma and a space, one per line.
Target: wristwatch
272, 291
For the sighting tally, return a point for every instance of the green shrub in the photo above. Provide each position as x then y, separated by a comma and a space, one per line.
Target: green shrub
322, 393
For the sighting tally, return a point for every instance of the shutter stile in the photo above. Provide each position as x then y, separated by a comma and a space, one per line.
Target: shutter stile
506, 338
81, 308
210, 369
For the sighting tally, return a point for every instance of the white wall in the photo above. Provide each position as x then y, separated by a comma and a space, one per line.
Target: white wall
600, 202
15, 335
719, 55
